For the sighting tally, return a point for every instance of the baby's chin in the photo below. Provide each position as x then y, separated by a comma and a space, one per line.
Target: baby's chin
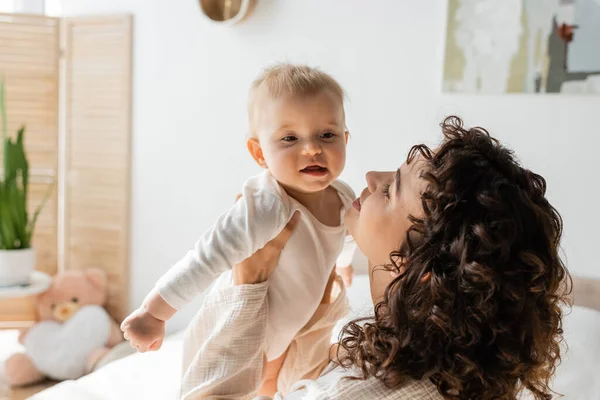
301, 186
313, 185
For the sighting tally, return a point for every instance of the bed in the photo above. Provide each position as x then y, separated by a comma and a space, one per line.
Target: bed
156, 375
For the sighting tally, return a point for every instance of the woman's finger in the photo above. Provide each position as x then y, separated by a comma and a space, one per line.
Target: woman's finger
258, 267
280, 240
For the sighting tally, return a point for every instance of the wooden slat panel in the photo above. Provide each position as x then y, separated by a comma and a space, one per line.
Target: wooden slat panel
97, 149
29, 64
18, 309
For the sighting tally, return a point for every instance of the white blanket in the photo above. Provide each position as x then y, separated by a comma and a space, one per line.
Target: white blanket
153, 375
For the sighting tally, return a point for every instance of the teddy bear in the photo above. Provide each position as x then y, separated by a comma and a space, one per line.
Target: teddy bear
73, 333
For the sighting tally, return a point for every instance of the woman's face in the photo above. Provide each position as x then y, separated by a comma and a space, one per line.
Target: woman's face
378, 220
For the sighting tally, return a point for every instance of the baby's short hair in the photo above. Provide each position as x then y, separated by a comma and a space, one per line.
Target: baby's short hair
286, 79
290, 79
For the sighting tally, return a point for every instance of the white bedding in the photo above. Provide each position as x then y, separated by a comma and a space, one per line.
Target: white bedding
156, 375
578, 375
152, 375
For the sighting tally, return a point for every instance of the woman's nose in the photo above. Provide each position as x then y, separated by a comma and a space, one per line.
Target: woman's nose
377, 178
371, 181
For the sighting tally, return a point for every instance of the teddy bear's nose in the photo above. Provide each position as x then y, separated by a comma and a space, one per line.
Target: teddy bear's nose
64, 311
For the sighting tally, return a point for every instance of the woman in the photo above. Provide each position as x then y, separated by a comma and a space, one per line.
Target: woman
467, 287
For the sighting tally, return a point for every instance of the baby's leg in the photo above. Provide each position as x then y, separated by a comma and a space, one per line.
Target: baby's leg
272, 368
309, 352
270, 375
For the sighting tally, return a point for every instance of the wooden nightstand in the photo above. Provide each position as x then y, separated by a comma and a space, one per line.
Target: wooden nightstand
17, 307
40, 281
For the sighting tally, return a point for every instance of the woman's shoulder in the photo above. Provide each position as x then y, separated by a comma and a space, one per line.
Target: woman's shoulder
373, 388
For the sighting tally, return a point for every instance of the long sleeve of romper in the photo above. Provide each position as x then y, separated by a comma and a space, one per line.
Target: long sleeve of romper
254, 220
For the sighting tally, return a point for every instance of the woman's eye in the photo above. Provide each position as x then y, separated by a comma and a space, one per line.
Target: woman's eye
386, 191
289, 138
327, 135
75, 300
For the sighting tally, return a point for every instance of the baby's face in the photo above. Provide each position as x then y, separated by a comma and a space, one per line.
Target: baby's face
302, 139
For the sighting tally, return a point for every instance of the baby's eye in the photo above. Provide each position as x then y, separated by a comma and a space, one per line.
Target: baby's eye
75, 300
328, 135
289, 138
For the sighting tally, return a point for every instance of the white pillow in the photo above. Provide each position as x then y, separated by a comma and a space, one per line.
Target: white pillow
578, 375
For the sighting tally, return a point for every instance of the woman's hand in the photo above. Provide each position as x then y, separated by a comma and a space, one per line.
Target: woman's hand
259, 266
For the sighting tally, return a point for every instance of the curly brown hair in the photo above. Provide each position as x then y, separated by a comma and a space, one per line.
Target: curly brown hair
476, 308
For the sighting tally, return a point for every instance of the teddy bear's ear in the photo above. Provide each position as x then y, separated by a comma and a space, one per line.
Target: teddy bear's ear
97, 277
42, 306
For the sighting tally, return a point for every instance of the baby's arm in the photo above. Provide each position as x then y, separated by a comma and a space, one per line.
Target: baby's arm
347, 254
253, 220
237, 234
343, 264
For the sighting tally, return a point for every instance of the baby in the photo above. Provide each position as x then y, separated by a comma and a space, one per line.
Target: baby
298, 135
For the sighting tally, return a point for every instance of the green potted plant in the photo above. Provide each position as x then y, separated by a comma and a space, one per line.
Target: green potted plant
17, 257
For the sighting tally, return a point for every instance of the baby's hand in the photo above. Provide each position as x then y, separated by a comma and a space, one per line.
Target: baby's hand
347, 273
144, 331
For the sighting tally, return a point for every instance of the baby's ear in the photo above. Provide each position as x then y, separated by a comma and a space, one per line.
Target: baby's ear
256, 152
347, 135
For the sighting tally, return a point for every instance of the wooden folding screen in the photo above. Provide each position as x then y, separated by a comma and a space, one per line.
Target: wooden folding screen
87, 160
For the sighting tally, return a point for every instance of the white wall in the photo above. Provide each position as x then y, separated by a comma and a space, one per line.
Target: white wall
190, 83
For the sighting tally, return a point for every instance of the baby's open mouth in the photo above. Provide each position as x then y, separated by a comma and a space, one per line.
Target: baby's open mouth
316, 170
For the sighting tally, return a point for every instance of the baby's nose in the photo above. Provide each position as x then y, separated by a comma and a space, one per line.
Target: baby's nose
312, 148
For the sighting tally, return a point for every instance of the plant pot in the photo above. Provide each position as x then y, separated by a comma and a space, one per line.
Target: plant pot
16, 266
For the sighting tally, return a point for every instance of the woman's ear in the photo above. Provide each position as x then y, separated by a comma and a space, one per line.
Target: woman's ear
347, 134
425, 278
256, 152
